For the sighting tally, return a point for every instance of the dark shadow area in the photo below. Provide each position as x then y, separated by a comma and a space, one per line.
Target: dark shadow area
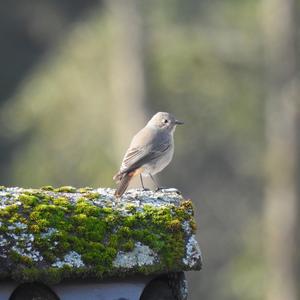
171, 286
33, 291
157, 289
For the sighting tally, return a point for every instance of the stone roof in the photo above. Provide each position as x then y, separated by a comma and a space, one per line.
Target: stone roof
52, 234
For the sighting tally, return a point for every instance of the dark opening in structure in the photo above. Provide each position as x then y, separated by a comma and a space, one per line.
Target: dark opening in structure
33, 291
158, 289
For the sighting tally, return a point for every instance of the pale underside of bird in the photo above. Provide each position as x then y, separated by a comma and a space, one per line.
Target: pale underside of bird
150, 151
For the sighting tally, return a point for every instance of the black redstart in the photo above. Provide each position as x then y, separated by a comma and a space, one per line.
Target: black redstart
150, 151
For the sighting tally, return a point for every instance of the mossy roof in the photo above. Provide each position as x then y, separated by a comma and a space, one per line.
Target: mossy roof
53, 234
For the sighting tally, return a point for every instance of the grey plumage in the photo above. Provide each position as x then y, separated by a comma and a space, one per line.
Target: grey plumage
150, 150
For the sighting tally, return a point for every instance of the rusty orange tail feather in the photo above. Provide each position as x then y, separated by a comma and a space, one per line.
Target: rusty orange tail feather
123, 183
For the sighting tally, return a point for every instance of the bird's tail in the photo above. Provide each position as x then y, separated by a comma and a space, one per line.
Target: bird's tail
122, 183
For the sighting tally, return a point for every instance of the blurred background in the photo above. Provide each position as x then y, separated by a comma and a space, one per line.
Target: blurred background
78, 78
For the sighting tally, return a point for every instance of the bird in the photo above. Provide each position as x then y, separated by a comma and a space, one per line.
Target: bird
149, 152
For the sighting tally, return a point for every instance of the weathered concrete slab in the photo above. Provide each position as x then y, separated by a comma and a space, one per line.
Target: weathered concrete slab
54, 234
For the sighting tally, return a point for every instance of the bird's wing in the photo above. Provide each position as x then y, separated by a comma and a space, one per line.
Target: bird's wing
139, 153
137, 157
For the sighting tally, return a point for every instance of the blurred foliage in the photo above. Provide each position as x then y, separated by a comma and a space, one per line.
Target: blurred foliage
60, 107
203, 62
246, 276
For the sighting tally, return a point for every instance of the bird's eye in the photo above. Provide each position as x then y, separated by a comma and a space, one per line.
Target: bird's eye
165, 121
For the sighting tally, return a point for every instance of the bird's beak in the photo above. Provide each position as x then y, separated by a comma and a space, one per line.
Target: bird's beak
177, 122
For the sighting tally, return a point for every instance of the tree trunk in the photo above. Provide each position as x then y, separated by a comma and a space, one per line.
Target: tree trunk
280, 214
127, 84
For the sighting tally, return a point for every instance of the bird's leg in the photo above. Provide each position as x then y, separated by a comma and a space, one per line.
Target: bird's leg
142, 183
155, 182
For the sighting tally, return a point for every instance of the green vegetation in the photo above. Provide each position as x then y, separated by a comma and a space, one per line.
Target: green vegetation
48, 226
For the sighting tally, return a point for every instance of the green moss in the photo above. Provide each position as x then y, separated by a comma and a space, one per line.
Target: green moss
96, 233
66, 189
62, 202
130, 208
174, 225
187, 207
91, 195
15, 256
54, 275
28, 200
193, 226
14, 218
26, 274
47, 188
85, 189
128, 246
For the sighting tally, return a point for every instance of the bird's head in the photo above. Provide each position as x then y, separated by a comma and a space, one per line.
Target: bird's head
164, 120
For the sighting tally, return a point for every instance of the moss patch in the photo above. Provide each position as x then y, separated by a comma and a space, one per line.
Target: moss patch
51, 234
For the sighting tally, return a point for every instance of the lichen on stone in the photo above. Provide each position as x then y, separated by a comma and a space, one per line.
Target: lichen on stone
193, 253
140, 256
71, 259
54, 233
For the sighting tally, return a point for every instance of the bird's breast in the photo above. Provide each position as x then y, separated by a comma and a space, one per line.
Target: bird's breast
159, 163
